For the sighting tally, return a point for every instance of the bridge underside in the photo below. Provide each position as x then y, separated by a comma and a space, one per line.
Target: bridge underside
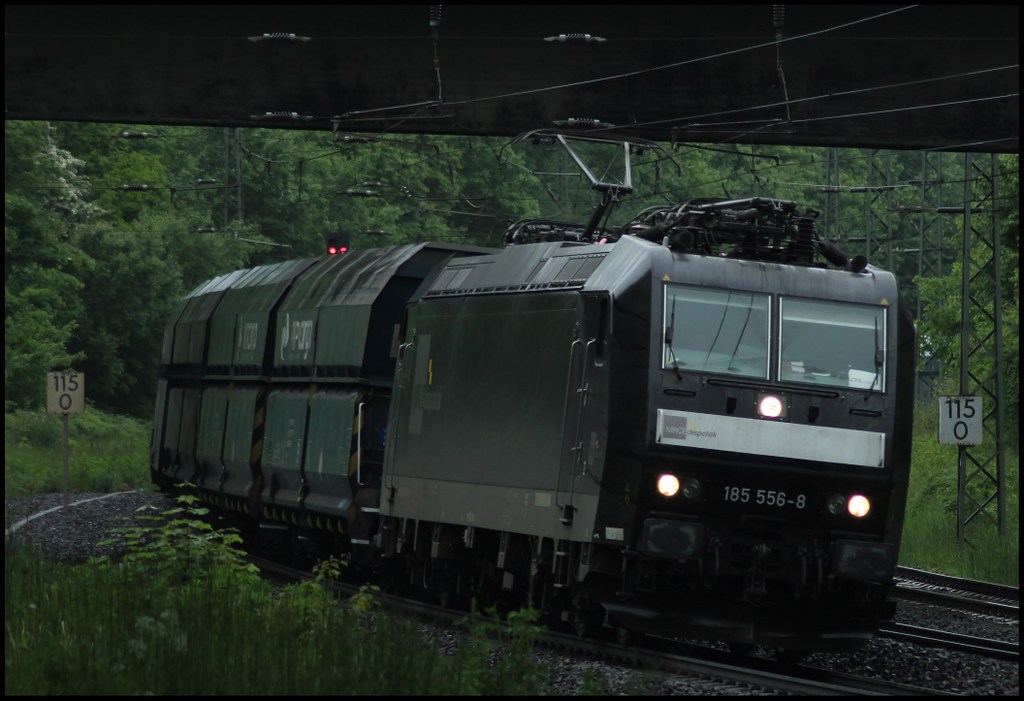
926, 77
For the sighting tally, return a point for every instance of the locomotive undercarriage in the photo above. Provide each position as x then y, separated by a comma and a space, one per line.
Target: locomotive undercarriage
596, 588
477, 568
751, 592
742, 592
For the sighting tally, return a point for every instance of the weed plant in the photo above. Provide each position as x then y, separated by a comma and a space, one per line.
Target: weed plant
183, 614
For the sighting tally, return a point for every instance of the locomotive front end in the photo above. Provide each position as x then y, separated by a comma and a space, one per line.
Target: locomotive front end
775, 469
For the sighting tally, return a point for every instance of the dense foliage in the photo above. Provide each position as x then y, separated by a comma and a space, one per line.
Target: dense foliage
106, 226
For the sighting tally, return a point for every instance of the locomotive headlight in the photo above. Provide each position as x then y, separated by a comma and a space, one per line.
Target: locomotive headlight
668, 485
691, 488
858, 506
835, 504
771, 406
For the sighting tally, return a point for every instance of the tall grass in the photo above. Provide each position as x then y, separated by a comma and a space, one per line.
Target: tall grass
101, 630
930, 528
106, 453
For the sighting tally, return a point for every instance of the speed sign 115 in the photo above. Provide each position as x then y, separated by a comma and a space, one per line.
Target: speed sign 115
960, 421
65, 392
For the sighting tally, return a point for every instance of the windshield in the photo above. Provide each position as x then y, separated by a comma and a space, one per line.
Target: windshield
716, 331
827, 343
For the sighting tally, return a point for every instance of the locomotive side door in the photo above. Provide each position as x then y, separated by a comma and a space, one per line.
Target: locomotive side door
400, 403
572, 416
584, 434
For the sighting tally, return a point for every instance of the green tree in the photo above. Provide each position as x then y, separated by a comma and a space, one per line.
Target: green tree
37, 332
114, 166
141, 272
44, 196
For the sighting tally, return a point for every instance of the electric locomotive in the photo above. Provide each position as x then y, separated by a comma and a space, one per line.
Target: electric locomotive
660, 438
696, 424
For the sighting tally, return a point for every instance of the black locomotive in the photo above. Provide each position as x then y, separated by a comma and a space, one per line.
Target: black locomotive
697, 424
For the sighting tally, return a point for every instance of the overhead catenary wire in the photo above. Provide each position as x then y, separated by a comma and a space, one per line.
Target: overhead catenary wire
831, 95
770, 123
679, 64
420, 107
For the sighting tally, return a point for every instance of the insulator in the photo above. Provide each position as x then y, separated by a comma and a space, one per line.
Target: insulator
575, 36
136, 135
280, 115
802, 247
583, 123
278, 36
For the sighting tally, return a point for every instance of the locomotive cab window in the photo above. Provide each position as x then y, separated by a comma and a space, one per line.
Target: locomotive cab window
832, 344
716, 331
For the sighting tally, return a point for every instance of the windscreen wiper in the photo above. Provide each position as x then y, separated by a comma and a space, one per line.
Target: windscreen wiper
669, 333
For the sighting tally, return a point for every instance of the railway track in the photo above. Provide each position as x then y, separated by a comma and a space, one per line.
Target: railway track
997, 649
972, 596
954, 592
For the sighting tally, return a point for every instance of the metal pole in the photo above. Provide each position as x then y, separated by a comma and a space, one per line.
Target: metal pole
997, 307
65, 460
965, 332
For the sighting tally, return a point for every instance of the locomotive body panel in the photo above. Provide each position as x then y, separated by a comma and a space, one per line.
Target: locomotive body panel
484, 413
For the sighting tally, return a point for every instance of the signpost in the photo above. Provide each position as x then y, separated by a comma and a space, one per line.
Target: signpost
65, 394
960, 421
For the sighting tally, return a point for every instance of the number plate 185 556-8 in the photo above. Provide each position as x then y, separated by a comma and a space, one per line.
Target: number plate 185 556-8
764, 497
